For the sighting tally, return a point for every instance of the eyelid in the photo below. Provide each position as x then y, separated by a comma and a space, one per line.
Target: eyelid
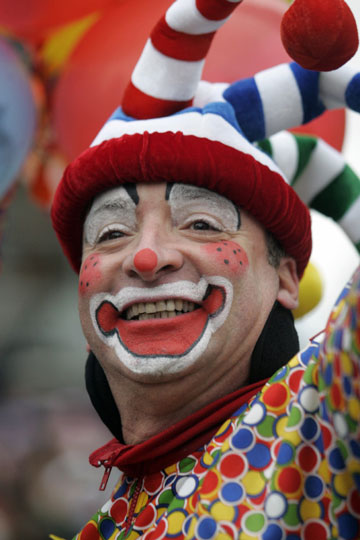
204, 217
111, 227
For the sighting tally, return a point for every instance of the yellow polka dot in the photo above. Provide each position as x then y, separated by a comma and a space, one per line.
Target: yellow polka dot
346, 364
281, 431
141, 502
222, 511
175, 522
253, 483
244, 536
309, 510
171, 469
343, 483
207, 459
324, 472
191, 530
354, 409
225, 447
133, 536
223, 536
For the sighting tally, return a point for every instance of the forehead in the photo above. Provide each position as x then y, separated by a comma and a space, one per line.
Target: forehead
129, 196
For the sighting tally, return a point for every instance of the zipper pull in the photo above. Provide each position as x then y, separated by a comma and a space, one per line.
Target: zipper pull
105, 478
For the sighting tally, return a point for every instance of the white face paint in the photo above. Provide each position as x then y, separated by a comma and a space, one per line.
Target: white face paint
184, 337
189, 203
111, 211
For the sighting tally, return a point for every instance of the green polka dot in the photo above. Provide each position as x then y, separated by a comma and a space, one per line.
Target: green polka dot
187, 464
343, 449
308, 375
265, 428
291, 517
295, 416
255, 522
166, 497
176, 503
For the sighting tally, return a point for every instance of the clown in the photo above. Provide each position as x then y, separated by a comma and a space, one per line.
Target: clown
190, 242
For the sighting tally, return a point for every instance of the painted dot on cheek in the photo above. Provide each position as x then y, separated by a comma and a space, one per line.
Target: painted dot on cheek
229, 254
90, 273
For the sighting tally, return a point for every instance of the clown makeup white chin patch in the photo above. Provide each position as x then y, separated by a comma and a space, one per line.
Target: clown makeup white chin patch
188, 202
113, 210
162, 345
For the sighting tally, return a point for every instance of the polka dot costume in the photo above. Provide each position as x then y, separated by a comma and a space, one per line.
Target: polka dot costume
286, 466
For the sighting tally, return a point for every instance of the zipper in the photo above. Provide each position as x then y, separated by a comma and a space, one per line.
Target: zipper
131, 518
105, 477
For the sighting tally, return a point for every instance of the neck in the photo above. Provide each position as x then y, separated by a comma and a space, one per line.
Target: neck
146, 409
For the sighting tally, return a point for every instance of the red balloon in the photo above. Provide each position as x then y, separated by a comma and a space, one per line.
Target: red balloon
98, 70
32, 19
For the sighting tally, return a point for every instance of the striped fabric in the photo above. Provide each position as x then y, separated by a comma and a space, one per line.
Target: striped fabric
319, 175
169, 69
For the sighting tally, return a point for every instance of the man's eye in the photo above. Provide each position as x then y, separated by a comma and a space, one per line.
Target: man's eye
201, 225
110, 234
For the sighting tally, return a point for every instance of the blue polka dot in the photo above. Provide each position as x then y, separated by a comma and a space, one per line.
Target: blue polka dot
355, 448
242, 439
120, 492
307, 354
107, 527
336, 460
348, 527
328, 375
273, 532
313, 486
309, 428
232, 492
281, 374
206, 529
319, 443
324, 411
259, 457
170, 479
286, 453
347, 386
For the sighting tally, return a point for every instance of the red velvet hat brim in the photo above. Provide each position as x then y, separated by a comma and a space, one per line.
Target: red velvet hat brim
175, 157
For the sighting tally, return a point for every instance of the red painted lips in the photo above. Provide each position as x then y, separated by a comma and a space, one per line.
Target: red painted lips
160, 337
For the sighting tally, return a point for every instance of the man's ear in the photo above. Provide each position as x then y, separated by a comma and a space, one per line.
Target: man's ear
288, 293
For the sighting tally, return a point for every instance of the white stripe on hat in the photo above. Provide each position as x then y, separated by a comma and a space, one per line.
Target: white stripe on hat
208, 92
285, 153
158, 75
325, 164
183, 16
207, 126
350, 221
333, 84
281, 98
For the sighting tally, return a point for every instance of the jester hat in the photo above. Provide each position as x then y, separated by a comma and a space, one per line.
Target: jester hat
170, 128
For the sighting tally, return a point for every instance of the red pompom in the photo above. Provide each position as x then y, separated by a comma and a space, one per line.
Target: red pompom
319, 34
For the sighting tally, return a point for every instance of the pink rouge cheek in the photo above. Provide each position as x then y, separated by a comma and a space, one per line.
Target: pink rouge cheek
90, 273
228, 254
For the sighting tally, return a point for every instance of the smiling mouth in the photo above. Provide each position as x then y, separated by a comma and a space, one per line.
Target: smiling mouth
163, 309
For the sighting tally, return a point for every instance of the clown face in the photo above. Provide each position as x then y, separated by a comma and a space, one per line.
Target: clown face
173, 280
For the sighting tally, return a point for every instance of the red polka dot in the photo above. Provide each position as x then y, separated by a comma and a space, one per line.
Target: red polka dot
119, 510
294, 380
354, 500
307, 458
326, 436
275, 396
210, 483
158, 533
146, 518
336, 396
90, 532
153, 482
315, 530
232, 466
289, 480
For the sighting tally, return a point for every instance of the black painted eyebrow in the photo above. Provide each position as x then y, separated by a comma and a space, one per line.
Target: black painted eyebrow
131, 190
169, 186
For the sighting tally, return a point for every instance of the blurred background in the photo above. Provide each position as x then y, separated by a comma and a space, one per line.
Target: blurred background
63, 68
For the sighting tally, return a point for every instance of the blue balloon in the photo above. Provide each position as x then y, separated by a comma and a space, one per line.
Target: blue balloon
17, 116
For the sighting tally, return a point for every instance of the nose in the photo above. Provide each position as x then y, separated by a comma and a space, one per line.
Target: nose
149, 263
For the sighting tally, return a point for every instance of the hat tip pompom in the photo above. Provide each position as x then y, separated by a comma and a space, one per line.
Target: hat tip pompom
320, 36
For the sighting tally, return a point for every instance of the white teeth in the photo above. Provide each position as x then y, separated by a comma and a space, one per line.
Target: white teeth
170, 305
150, 307
161, 309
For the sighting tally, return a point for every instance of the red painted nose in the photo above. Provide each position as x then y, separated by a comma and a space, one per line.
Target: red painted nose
145, 260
